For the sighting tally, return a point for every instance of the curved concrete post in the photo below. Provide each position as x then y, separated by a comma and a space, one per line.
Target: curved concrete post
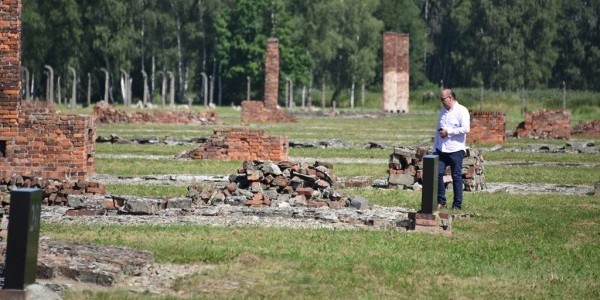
59, 97
145, 97
51, 83
106, 86
287, 92
89, 90
205, 88
211, 83
171, 89
26, 71
248, 81
126, 88
74, 89
163, 92
292, 104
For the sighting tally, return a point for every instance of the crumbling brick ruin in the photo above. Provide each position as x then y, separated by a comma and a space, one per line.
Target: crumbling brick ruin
545, 124
405, 169
104, 113
267, 111
243, 144
587, 129
37, 144
395, 72
487, 127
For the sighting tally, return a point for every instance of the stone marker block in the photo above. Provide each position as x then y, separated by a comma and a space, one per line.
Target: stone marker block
359, 203
429, 193
23, 238
401, 179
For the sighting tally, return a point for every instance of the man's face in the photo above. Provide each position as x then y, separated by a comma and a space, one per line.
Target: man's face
446, 98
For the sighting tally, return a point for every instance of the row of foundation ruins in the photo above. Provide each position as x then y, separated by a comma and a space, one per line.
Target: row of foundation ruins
36, 141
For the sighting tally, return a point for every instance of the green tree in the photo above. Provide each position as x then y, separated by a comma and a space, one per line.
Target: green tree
52, 33
343, 38
404, 16
242, 30
578, 40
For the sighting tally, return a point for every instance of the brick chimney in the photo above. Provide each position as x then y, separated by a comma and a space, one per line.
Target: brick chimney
272, 74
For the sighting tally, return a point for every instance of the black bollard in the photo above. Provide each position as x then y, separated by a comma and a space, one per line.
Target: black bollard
23, 238
430, 183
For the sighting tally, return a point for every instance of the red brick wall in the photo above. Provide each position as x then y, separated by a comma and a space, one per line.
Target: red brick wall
10, 66
395, 72
255, 111
104, 113
487, 127
243, 144
545, 123
272, 74
267, 111
32, 143
587, 129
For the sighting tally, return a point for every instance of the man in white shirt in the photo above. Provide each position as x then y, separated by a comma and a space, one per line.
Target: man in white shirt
450, 145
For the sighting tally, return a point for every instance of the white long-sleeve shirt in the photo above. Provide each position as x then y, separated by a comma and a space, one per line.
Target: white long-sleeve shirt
457, 123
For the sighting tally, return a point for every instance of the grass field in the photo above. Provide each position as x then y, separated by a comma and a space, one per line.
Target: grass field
529, 246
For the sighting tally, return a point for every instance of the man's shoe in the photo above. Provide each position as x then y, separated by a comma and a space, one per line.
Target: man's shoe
441, 206
456, 208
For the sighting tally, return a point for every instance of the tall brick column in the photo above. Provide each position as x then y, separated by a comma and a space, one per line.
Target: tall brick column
395, 72
10, 68
272, 74
36, 142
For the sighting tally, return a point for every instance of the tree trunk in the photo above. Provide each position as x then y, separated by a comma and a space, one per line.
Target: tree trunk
179, 55
106, 83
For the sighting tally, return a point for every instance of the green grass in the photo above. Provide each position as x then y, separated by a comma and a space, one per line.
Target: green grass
514, 246
530, 247
142, 149
542, 157
137, 167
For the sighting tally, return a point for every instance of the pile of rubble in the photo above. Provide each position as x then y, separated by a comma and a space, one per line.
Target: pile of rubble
283, 184
104, 113
405, 169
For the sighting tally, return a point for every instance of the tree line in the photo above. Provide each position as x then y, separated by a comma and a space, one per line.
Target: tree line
217, 47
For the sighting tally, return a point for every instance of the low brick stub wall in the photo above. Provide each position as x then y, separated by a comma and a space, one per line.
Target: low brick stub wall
256, 112
243, 144
104, 113
587, 129
545, 124
50, 146
487, 127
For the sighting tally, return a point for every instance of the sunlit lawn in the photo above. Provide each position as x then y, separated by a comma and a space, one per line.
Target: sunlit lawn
538, 246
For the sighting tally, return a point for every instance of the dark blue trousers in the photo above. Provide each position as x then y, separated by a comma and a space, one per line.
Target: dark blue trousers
455, 161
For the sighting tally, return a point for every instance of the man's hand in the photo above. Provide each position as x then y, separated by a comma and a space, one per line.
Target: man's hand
443, 132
